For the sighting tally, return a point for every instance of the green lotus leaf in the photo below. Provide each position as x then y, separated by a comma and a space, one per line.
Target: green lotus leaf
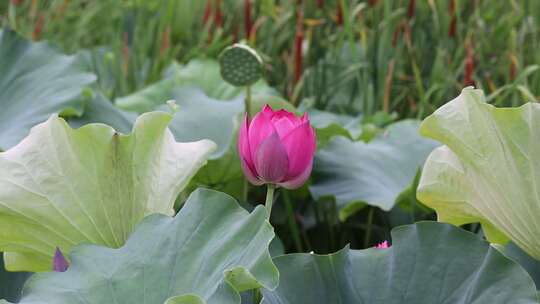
328, 125
212, 250
531, 265
35, 81
61, 187
428, 263
101, 110
199, 116
489, 169
374, 173
101, 61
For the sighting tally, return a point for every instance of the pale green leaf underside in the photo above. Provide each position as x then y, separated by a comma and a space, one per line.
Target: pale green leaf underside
375, 172
209, 252
61, 187
489, 169
35, 81
428, 263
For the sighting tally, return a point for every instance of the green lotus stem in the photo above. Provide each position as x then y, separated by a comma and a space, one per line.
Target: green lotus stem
269, 198
12, 15
245, 190
247, 101
293, 225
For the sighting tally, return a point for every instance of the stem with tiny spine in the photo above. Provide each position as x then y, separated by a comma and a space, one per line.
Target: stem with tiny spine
247, 103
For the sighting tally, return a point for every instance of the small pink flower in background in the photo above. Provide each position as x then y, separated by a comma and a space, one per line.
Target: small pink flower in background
60, 263
277, 147
383, 245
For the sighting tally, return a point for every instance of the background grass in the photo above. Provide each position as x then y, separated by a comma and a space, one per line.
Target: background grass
358, 56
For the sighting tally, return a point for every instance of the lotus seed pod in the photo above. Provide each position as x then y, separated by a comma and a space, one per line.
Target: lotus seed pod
240, 65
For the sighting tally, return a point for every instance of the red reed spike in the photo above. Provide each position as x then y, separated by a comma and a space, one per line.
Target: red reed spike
339, 13
218, 15
207, 12
38, 27
469, 65
513, 67
125, 52
248, 24
298, 40
453, 21
165, 41
396, 34
452, 29
411, 9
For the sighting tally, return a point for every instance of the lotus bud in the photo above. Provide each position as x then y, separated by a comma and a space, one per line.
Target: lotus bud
277, 147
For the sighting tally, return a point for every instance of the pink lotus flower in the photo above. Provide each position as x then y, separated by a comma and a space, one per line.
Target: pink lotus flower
277, 147
382, 245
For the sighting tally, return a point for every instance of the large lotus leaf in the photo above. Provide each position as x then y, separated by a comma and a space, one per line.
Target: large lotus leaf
209, 252
201, 73
489, 169
101, 110
101, 61
328, 125
531, 265
35, 81
200, 116
428, 263
60, 186
374, 173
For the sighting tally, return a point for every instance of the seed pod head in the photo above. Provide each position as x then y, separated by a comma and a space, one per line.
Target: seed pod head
240, 65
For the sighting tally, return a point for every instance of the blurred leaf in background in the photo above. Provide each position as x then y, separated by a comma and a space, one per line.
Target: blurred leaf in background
35, 82
373, 173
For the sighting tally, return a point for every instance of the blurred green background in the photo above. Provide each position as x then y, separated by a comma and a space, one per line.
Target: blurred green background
399, 56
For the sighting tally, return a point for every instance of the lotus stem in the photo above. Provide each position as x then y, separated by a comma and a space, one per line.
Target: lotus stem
247, 101
269, 198
292, 221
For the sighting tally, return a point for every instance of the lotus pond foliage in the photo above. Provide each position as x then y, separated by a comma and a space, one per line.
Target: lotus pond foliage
273, 151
